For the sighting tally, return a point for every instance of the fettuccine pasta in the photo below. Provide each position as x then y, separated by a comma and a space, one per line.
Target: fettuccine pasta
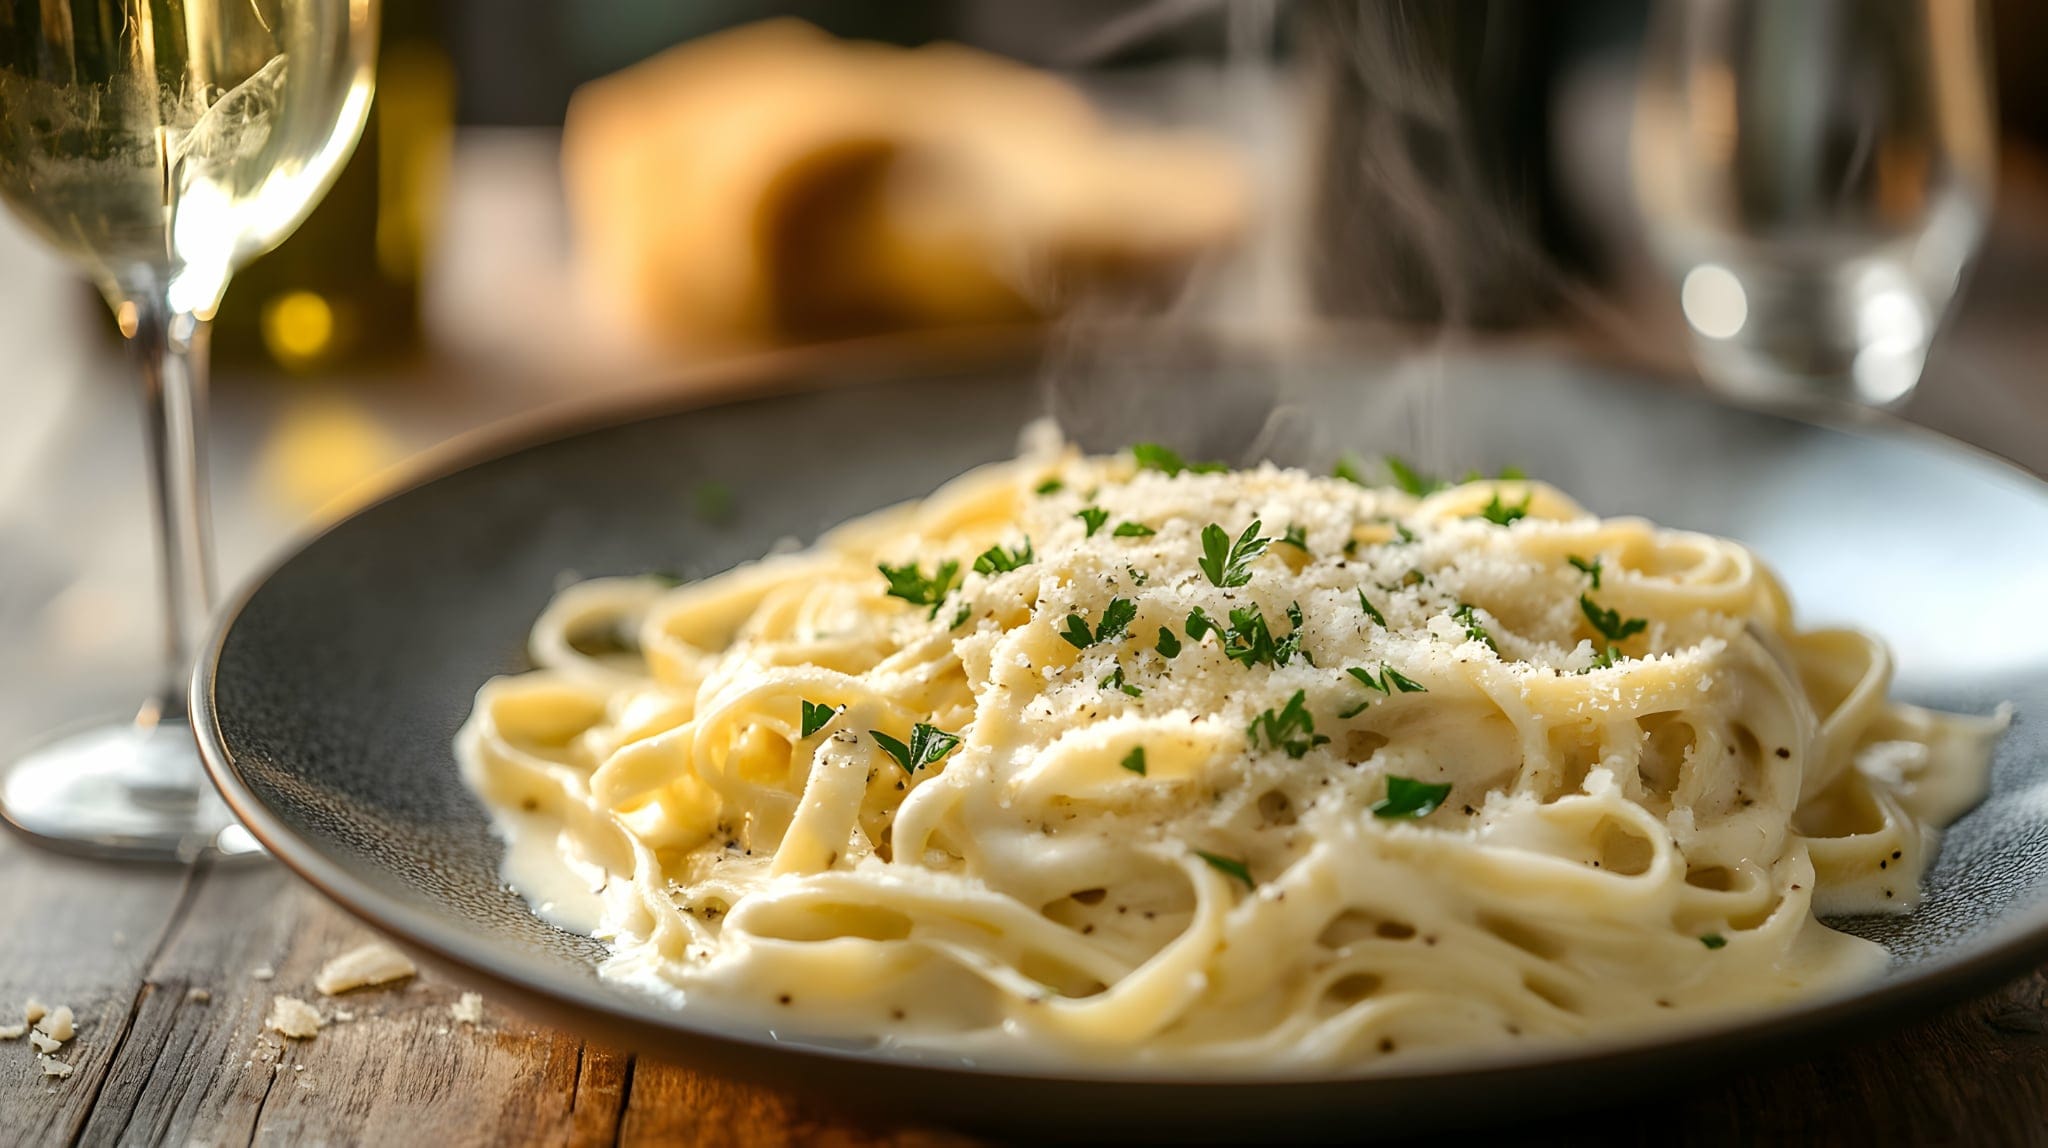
1115, 761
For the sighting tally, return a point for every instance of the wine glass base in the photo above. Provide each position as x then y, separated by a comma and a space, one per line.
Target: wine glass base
124, 790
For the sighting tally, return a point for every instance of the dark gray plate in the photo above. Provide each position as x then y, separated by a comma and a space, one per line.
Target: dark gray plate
328, 701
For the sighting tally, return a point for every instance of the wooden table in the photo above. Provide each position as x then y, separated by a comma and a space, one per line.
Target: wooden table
126, 947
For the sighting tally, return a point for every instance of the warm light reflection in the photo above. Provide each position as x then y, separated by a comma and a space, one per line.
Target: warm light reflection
1714, 301
298, 327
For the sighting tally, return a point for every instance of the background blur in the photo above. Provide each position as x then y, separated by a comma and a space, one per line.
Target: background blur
556, 198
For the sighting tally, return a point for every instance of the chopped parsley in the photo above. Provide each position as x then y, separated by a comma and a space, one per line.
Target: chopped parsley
1133, 530
910, 584
1229, 865
1591, 569
1138, 577
1370, 611
1135, 760
1297, 537
1402, 535
1604, 661
1116, 617
1610, 623
961, 615
712, 500
1347, 469
1291, 730
1169, 646
1468, 617
1228, 564
1200, 625
1152, 456
1250, 641
1094, 516
996, 560
1409, 799
1501, 514
1414, 577
1714, 940
1115, 681
1388, 681
817, 716
928, 743
1411, 480
1050, 486
666, 577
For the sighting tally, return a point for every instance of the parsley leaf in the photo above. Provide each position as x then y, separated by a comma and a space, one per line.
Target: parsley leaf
1116, 617
928, 743
1152, 456
910, 584
712, 500
1135, 760
1467, 617
1347, 469
1410, 799
1115, 681
1229, 865
1388, 681
1501, 514
1713, 940
1169, 646
1200, 624
1410, 479
1250, 641
1591, 569
1604, 661
961, 615
1370, 612
816, 716
1228, 564
1077, 633
1402, 535
1138, 577
1050, 486
1094, 516
996, 560
1292, 730
1297, 537
1132, 530
1610, 623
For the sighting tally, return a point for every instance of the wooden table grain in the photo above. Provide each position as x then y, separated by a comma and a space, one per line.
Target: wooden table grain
155, 1062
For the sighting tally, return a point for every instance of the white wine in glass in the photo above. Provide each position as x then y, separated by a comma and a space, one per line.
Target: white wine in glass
160, 144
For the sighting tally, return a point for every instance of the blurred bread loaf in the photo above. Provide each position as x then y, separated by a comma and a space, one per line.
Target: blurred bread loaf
773, 183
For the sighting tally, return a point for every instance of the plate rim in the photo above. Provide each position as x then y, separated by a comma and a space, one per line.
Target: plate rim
2016, 944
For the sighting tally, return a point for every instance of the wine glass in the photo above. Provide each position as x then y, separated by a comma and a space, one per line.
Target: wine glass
160, 144
1816, 176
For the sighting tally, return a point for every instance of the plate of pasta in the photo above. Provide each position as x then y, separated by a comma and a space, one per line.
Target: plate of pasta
1173, 754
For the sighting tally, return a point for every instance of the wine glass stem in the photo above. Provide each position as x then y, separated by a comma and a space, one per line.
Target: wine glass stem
170, 348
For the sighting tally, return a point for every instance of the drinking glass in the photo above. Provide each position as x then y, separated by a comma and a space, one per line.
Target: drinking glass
1816, 176
158, 145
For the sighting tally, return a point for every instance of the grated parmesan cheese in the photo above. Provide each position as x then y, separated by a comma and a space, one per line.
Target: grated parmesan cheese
294, 1018
469, 1009
59, 1024
373, 964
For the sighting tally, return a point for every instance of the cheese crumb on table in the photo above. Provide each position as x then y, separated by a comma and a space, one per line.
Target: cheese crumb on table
52, 1066
44, 1043
292, 1017
13, 1031
58, 1024
262, 973
198, 995
34, 1010
373, 964
469, 1009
